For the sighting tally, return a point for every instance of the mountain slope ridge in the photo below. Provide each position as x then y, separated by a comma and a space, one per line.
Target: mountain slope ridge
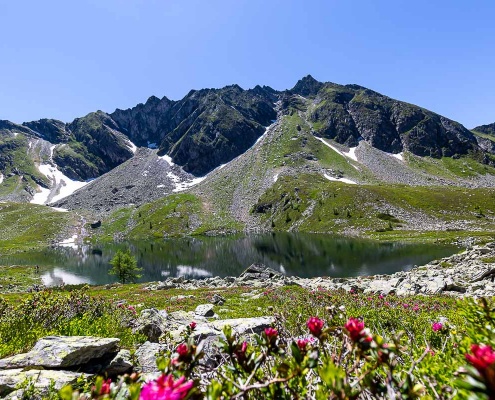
211, 127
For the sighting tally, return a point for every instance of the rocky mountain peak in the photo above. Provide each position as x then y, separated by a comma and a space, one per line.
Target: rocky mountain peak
307, 86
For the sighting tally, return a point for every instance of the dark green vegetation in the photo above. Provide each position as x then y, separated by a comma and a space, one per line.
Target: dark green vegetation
49, 313
124, 267
27, 226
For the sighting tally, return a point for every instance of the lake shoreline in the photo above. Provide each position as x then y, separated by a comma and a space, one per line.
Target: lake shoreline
469, 273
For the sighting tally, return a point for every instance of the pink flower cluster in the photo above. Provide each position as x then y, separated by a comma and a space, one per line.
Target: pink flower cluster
315, 326
166, 388
357, 332
482, 358
271, 333
437, 326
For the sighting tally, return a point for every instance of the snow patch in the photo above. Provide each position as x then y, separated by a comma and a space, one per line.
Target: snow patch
179, 187
15, 133
59, 209
131, 146
262, 136
399, 156
160, 186
343, 180
275, 178
59, 181
41, 197
168, 159
1, 177
350, 154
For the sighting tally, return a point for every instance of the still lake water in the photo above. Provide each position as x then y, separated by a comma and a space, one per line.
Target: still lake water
305, 255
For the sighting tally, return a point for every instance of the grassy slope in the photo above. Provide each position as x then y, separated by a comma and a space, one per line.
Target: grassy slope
29, 225
336, 206
173, 215
14, 157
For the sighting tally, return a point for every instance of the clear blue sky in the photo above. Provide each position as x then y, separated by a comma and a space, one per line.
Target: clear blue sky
64, 58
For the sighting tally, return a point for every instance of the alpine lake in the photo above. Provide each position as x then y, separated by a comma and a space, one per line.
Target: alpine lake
304, 255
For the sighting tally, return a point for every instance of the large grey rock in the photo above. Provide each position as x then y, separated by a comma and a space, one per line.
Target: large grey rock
62, 352
10, 380
146, 356
257, 272
242, 326
152, 323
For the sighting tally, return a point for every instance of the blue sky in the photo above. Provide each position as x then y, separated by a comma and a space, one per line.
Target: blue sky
64, 59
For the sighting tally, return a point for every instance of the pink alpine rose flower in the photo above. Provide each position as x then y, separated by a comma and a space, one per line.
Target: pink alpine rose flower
482, 357
182, 350
271, 333
356, 330
166, 388
302, 344
437, 326
315, 326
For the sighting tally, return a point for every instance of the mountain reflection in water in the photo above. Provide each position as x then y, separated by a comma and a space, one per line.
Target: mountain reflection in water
305, 255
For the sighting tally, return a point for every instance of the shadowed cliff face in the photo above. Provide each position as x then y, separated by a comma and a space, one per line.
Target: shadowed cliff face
351, 113
206, 128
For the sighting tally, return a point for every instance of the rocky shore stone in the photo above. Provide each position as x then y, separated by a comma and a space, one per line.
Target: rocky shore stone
205, 310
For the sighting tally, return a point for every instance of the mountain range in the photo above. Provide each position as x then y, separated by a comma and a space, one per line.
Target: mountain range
227, 148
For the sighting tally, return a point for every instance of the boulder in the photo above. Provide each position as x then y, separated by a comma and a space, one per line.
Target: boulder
120, 364
146, 356
151, 323
257, 271
10, 380
244, 326
218, 300
205, 310
62, 352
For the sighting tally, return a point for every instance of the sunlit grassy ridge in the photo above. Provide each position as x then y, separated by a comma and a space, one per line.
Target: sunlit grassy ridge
29, 225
